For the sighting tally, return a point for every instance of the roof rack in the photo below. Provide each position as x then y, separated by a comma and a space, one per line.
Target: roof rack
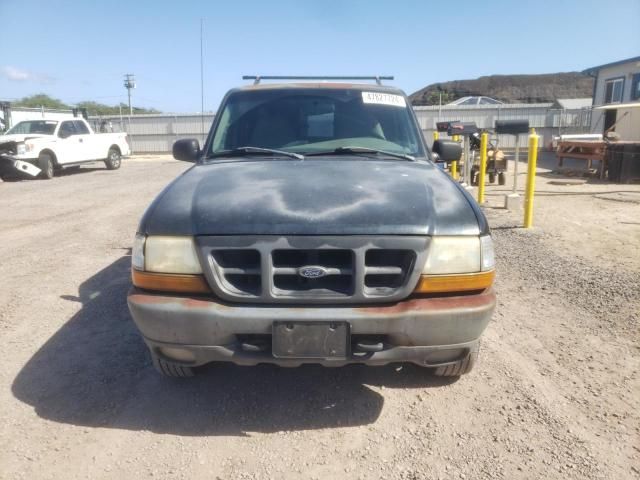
257, 78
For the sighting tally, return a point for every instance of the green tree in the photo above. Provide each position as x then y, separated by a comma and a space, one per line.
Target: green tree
40, 100
93, 108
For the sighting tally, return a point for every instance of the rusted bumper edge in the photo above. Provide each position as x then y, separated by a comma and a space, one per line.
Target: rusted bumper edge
425, 331
11, 165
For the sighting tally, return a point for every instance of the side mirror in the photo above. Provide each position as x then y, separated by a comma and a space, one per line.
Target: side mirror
447, 150
186, 149
63, 134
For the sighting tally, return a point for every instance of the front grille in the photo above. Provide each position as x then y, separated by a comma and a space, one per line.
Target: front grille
239, 270
338, 266
386, 270
354, 269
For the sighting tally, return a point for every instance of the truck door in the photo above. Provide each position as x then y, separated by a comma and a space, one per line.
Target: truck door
68, 145
87, 147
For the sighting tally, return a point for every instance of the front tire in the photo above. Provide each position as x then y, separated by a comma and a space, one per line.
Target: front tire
170, 369
113, 160
461, 367
45, 162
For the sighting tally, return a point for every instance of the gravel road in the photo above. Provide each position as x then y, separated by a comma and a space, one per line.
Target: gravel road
556, 393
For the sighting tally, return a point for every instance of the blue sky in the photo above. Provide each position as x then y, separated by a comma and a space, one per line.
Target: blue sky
80, 50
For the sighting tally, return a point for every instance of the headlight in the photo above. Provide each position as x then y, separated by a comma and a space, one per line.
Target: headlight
171, 255
21, 149
453, 255
457, 264
137, 252
167, 264
488, 256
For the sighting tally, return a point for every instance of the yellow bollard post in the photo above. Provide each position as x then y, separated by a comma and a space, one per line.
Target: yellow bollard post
484, 140
436, 135
454, 169
454, 164
531, 179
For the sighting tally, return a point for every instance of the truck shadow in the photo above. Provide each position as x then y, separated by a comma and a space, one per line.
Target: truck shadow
80, 169
95, 372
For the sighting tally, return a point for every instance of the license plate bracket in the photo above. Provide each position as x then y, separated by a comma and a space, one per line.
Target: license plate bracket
316, 339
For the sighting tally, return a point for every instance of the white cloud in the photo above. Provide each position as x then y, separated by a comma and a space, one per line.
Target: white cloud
16, 74
19, 75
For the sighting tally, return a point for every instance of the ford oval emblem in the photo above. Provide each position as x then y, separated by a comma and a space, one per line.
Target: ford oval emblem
312, 272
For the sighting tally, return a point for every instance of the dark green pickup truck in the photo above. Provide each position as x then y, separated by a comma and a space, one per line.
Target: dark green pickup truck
313, 227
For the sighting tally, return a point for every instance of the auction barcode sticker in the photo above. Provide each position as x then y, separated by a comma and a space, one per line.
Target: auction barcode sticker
384, 99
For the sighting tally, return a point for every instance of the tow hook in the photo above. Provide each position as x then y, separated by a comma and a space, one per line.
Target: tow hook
253, 347
364, 346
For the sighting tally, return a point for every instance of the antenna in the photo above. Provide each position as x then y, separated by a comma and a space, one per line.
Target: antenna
201, 80
129, 83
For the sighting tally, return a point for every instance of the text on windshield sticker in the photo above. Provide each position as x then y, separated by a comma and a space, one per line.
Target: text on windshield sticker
384, 99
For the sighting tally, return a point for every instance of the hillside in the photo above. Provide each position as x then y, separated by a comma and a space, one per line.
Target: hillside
509, 88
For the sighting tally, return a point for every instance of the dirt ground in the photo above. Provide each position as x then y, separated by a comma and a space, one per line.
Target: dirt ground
556, 393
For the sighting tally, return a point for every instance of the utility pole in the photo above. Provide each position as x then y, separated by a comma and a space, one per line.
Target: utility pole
129, 83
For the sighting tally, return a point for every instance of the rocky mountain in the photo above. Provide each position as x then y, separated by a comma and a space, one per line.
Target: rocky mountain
509, 88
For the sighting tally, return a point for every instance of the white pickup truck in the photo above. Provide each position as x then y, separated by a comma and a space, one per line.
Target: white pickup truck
42, 147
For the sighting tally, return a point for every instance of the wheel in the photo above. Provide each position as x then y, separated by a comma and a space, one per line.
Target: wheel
45, 162
502, 178
461, 367
492, 177
113, 159
170, 369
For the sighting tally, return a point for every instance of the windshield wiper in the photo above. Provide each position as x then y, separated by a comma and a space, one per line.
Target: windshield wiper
360, 150
254, 151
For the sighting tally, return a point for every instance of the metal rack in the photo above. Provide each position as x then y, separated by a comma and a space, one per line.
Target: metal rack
258, 78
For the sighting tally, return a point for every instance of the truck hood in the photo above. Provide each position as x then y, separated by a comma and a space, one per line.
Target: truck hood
20, 137
328, 196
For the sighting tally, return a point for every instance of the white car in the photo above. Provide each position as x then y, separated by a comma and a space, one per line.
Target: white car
40, 147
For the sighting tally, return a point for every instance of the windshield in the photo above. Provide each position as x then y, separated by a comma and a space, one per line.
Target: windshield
311, 120
43, 127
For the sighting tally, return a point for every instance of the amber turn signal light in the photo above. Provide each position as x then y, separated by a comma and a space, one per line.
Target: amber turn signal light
455, 283
169, 282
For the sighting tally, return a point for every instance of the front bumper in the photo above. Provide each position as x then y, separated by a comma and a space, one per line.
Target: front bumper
11, 165
426, 331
